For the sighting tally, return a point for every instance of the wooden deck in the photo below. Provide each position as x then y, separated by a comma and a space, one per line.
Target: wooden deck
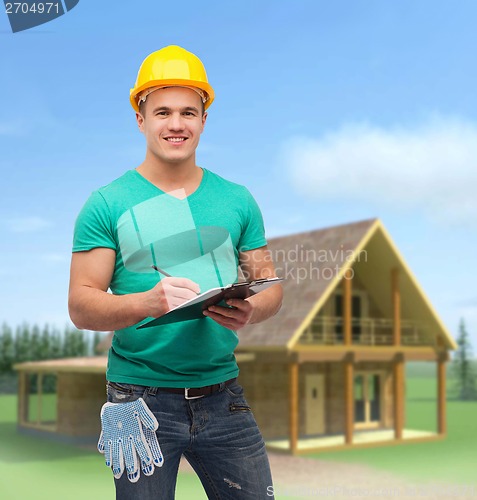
360, 439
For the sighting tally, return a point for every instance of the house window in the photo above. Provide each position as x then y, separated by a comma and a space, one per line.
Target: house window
367, 399
359, 399
356, 314
38, 407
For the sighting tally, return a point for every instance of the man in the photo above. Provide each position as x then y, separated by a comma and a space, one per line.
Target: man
172, 388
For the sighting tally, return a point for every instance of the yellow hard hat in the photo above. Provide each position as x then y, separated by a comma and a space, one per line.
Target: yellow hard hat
171, 66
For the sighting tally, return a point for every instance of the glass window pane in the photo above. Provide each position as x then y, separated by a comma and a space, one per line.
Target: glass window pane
376, 399
358, 387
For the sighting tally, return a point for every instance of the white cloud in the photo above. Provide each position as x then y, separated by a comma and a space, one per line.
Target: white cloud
28, 224
432, 167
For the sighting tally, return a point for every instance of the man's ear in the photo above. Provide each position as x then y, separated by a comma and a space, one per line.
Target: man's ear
140, 121
204, 118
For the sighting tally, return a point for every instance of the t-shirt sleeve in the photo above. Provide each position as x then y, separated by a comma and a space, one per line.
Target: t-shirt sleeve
253, 234
93, 228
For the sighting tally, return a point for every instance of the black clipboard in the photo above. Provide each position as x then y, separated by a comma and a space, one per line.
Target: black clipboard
193, 308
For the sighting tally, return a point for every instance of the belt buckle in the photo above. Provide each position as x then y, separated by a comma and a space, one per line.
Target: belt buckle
186, 394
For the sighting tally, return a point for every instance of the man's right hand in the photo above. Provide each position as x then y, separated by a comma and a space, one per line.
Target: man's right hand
169, 293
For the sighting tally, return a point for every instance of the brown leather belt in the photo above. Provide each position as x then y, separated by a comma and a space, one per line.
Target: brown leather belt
196, 392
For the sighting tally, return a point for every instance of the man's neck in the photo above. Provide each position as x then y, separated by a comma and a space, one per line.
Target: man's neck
172, 176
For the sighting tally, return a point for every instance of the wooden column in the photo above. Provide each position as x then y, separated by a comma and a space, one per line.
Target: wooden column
347, 310
349, 398
23, 396
398, 370
396, 306
441, 396
293, 387
39, 390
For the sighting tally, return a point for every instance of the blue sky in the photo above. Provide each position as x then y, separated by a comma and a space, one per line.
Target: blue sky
329, 112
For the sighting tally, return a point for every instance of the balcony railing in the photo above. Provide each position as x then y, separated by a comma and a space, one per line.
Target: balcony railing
329, 330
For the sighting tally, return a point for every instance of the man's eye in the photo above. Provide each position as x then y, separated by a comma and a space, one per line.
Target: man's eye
161, 113
189, 113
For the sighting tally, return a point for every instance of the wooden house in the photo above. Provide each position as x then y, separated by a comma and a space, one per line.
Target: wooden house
328, 369
72, 414
326, 372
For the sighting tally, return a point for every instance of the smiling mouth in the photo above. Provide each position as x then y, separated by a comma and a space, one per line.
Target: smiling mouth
175, 139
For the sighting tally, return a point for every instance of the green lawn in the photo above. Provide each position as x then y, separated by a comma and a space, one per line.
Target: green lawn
452, 460
39, 469
43, 470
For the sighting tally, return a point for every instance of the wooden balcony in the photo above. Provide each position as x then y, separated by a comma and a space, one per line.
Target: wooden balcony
328, 330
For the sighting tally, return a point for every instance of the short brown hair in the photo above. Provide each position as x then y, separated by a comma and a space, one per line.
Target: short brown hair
142, 107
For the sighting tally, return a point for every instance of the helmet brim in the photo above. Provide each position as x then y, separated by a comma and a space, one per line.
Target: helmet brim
134, 93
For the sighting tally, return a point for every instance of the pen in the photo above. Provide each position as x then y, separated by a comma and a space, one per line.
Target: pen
159, 270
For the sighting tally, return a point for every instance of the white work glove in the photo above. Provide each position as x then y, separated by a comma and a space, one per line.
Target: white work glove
128, 430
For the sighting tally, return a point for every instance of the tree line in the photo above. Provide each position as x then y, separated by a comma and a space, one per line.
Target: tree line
34, 343
464, 367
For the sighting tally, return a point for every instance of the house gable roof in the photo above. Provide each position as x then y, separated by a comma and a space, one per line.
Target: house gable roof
313, 264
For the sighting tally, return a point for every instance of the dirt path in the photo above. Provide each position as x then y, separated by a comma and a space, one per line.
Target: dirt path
306, 478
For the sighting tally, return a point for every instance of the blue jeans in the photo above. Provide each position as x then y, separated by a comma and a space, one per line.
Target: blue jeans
218, 436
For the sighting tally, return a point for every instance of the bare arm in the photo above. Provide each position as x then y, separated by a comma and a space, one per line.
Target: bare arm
255, 264
92, 307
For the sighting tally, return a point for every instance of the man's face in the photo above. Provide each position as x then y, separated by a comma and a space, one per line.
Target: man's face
172, 123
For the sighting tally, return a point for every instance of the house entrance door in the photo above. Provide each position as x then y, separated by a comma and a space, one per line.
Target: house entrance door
315, 403
367, 400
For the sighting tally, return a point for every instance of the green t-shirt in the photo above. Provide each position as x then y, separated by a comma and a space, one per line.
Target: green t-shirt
197, 237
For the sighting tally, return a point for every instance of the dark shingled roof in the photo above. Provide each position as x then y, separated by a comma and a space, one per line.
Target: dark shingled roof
309, 261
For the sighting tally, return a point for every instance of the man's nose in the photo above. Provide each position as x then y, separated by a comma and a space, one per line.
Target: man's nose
176, 122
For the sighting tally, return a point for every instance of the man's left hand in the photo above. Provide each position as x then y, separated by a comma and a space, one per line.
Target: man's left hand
234, 317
